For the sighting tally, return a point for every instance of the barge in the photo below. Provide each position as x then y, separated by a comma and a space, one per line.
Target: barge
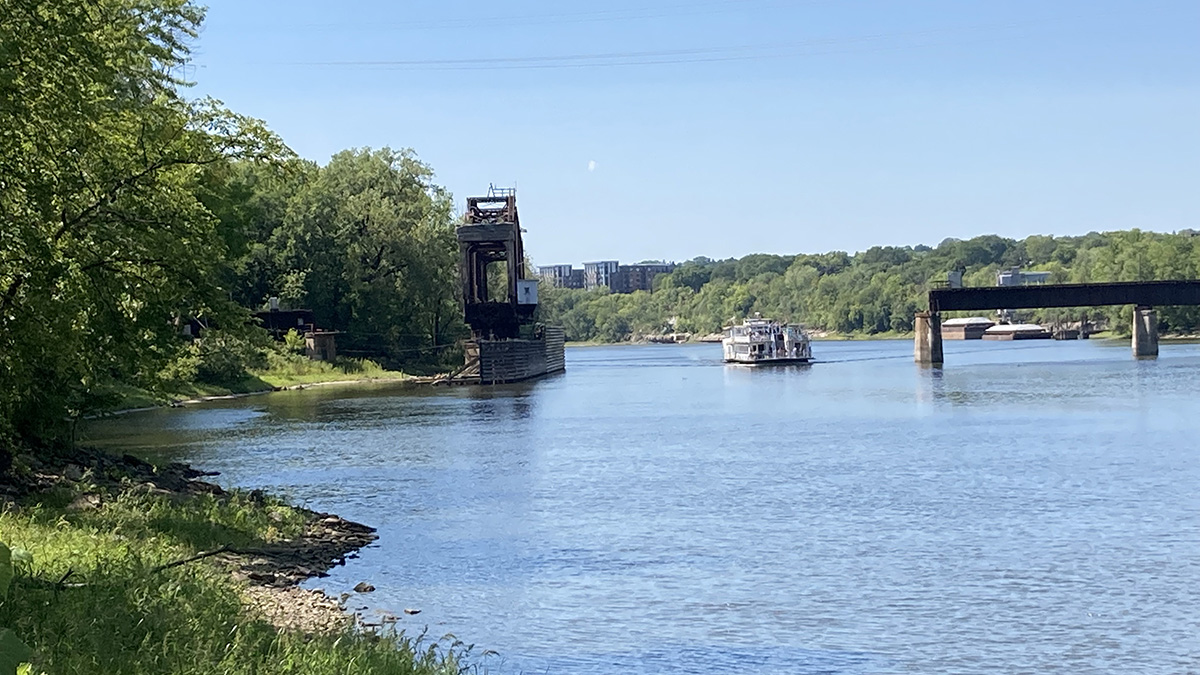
1017, 331
971, 328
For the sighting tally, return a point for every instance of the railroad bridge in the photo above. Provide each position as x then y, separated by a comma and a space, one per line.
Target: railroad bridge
1143, 295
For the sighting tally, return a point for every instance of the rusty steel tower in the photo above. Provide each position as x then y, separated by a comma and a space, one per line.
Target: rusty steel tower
490, 233
506, 345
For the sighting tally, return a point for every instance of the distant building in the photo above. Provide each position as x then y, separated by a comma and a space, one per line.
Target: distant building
561, 276
632, 278
610, 274
320, 345
1016, 277
602, 273
279, 321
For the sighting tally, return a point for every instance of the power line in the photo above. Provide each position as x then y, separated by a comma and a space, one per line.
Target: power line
662, 57
671, 11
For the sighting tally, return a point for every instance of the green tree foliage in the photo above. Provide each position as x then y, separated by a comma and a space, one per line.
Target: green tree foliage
250, 200
104, 242
875, 291
128, 209
367, 242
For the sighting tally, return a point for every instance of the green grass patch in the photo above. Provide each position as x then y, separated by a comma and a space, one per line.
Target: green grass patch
94, 601
246, 385
130, 397
285, 370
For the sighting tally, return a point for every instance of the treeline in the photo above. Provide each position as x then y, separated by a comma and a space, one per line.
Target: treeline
366, 242
128, 210
876, 291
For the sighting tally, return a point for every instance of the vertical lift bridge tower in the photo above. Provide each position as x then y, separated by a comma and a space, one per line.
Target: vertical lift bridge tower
506, 344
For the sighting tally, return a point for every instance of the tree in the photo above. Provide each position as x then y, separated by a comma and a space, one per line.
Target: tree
251, 201
104, 243
691, 274
370, 241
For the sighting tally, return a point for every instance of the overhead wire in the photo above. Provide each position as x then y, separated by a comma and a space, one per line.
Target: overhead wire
658, 57
675, 10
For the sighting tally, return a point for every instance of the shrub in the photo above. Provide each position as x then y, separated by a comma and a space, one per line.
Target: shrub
293, 343
224, 357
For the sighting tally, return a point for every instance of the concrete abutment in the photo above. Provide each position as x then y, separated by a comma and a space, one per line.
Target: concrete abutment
927, 341
1145, 333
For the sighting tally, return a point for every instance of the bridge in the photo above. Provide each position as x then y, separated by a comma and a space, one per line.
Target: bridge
1143, 295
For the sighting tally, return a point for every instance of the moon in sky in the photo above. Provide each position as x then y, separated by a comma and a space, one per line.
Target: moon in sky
591, 165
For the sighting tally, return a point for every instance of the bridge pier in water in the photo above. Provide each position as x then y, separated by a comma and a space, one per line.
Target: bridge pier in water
1145, 333
927, 341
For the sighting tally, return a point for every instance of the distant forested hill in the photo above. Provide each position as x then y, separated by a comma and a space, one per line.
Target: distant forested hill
874, 291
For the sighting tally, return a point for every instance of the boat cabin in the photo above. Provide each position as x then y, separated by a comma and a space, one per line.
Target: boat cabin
765, 341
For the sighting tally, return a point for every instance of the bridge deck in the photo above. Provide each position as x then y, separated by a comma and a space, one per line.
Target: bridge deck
1145, 293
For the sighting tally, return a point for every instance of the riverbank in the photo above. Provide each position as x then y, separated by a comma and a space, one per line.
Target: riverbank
177, 575
291, 371
282, 375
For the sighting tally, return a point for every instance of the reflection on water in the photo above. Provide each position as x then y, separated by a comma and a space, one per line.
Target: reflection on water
1026, 508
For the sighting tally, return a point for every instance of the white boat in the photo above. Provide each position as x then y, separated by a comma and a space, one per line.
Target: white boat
761, 341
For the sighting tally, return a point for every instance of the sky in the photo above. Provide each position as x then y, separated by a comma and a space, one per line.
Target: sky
668, 130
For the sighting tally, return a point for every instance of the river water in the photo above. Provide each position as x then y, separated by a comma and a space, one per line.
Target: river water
1032, 507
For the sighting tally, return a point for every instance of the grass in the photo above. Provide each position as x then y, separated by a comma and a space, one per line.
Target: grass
130, 397
93, 600
288, 370
249, 384
283, 370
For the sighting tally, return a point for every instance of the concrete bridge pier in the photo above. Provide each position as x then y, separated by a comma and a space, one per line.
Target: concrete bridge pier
1145, 333
927, 343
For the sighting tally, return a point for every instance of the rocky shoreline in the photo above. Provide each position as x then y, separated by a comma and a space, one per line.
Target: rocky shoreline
273, 573
269, 574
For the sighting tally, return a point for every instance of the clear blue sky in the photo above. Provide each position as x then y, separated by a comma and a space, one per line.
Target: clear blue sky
668, 130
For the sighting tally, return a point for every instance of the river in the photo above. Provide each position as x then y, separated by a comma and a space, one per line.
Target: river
1032, 507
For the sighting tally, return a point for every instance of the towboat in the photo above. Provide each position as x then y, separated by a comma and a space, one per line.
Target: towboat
761, 341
